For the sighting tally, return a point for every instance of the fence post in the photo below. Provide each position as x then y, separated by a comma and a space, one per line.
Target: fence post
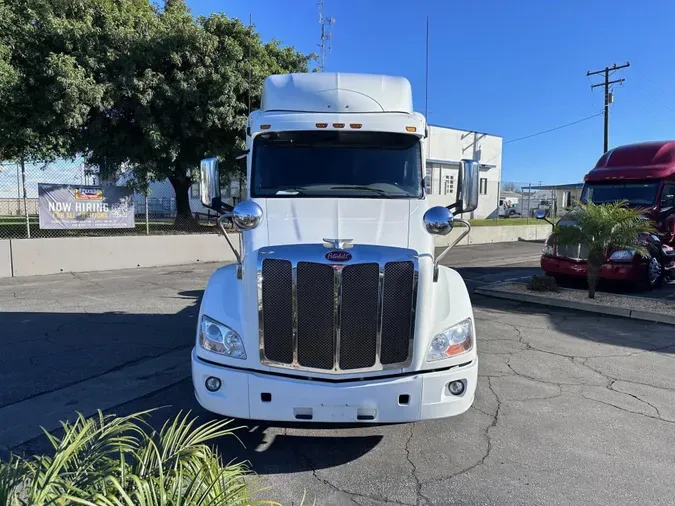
18, 188
147, 222
529, 202
25, 198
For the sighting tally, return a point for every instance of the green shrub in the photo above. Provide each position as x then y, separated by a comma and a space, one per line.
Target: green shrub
122, 461
542, 284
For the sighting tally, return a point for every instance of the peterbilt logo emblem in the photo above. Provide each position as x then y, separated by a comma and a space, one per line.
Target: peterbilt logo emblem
338, 256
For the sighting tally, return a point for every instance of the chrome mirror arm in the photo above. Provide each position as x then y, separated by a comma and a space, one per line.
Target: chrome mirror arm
221, 224
467, 225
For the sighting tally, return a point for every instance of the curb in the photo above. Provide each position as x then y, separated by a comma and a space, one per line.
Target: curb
633, 314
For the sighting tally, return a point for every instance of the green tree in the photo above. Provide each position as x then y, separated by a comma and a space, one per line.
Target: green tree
603, 228
178, 95
45, 93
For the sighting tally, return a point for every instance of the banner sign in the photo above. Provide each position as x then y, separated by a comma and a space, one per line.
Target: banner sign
74, 206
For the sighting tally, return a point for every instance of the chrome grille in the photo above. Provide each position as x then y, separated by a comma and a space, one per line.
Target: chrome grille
574, 251
326, 316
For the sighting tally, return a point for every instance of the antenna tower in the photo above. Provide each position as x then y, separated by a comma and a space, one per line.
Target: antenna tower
326, 43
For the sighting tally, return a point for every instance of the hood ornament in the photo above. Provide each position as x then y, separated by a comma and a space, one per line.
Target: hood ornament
338, 243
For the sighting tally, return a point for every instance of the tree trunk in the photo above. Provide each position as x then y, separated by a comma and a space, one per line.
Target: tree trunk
593, 276
184, 218
595, 261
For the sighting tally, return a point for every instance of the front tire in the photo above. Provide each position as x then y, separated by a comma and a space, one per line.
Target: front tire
653, 273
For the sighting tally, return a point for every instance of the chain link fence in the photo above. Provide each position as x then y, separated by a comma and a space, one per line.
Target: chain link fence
500, 202
154, 213
515, 203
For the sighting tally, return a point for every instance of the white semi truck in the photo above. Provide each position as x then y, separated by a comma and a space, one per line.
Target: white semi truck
337, 309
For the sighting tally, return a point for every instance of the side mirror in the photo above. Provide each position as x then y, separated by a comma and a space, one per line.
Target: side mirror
540, 215
468, 186
438, 220
247, 215
209, 184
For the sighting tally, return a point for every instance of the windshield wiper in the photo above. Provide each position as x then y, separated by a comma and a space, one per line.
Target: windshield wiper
300, 190
365, 188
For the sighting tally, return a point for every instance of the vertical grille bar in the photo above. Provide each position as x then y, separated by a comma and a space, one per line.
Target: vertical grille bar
277, 311
294, 312
316, 313
359, 316
337, 312
397, 314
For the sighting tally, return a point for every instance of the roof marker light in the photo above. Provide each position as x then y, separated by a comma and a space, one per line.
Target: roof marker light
321, 125
338, 125
355, 125
265, 127
411, 129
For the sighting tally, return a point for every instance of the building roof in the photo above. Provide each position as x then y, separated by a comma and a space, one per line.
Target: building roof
465, 130
336, 92
569, 186
456, 162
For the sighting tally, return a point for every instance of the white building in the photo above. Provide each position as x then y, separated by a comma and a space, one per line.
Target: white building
445, 148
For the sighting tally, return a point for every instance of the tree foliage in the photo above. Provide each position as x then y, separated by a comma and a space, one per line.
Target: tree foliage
132, 87
603, 228
181, 94
45, 93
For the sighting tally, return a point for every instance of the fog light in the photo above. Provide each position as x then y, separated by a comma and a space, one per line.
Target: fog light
213, 384
455, 387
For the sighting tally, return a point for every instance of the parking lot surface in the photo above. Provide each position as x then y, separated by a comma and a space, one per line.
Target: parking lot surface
571, 408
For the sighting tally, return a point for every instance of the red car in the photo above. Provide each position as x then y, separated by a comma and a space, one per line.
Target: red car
644, 175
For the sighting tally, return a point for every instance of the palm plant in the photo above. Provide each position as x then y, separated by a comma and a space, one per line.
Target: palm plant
601, 228
121, 461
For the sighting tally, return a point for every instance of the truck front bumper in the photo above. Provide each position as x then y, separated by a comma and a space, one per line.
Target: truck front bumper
611, 271
260, 396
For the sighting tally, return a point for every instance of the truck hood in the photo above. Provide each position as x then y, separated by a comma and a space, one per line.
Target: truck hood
365, 221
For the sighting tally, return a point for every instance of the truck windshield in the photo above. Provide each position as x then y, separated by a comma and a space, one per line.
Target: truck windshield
337, 164
637, 194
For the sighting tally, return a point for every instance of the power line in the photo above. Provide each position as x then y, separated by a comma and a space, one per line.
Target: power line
554, 129
545, 132
654, 96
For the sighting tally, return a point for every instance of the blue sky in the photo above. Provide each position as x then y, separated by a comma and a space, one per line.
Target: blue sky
507, 68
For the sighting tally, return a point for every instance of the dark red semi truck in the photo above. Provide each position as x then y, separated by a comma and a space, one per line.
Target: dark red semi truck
644, 175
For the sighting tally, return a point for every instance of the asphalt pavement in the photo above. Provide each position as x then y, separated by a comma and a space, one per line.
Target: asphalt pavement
571, 408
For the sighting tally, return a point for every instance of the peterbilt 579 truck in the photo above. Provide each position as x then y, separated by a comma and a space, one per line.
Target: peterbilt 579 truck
337, 309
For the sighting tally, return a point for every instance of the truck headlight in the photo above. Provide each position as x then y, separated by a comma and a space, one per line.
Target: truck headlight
221, 339
622, 255
451, 342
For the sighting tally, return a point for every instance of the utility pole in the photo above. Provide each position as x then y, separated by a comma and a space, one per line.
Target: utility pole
608, 95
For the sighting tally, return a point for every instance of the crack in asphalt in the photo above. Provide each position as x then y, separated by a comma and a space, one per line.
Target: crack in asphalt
486, 435
352, 495
611, 387
418, 483
626, 410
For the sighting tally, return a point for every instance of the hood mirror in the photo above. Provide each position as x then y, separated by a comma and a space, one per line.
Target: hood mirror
439, 220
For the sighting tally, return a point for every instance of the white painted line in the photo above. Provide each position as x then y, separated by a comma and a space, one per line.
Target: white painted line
21, 422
